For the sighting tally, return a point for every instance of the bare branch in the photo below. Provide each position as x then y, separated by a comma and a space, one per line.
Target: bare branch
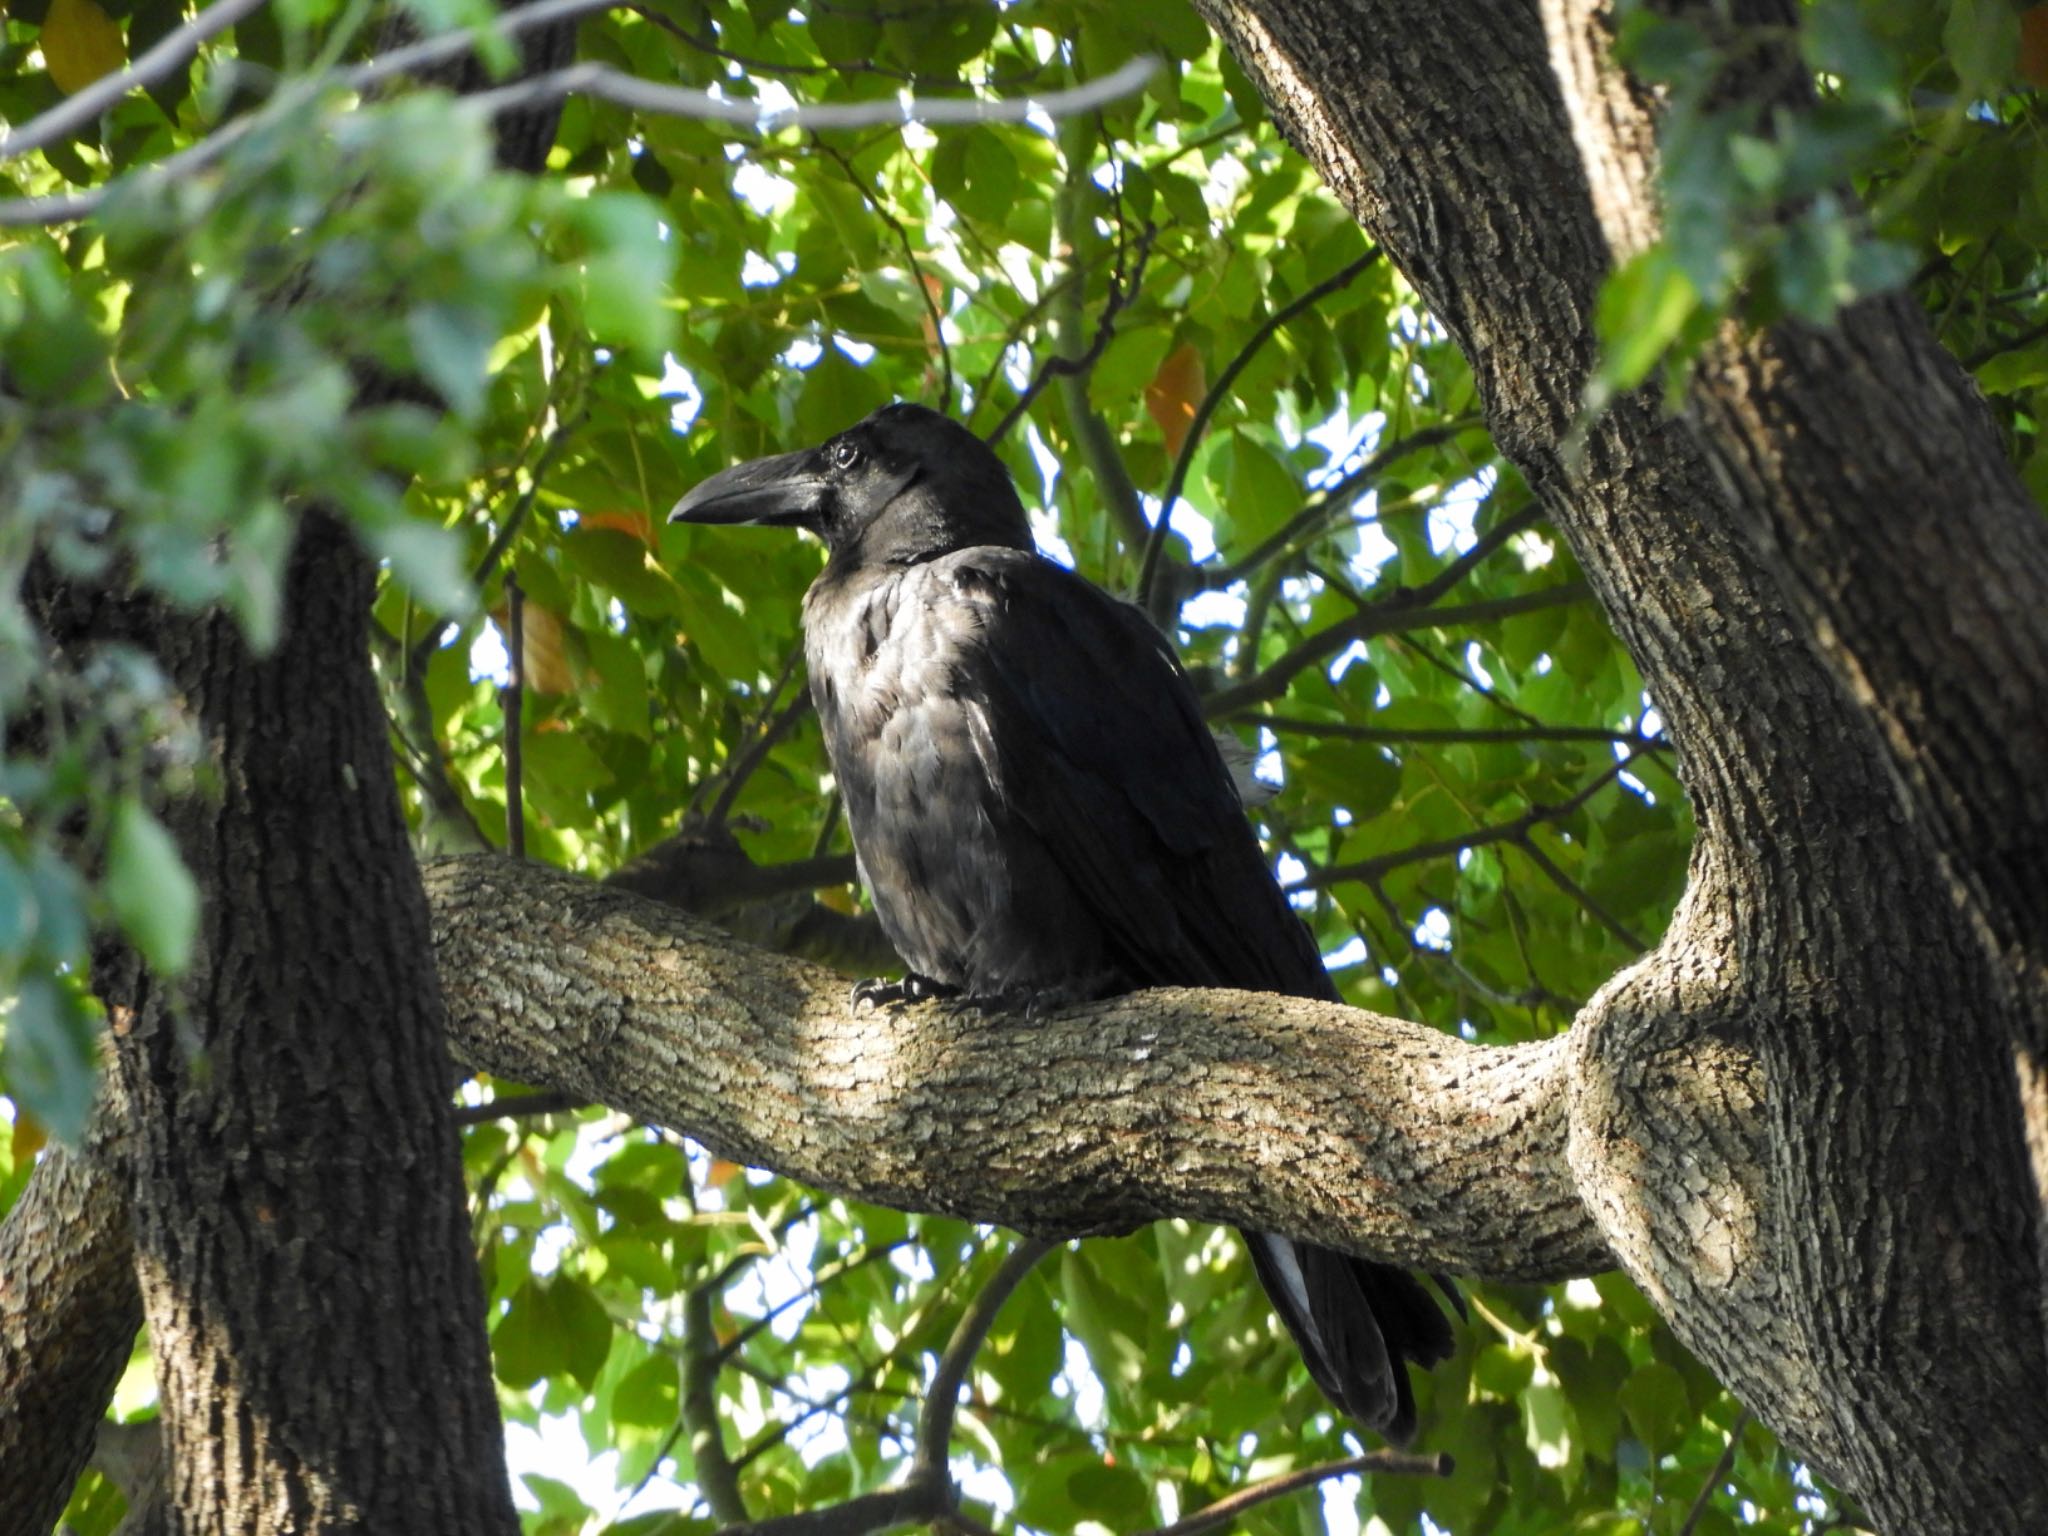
1155, 544
1391, 617
1228, 1508
171, 50
1395, 735
1515, 831
1714, 1478
942, 1402
1334, 498
600, 82
1281, 1114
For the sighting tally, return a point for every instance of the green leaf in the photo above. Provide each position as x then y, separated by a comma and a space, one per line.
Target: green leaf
1655, 1403
1263, 492
51, 1053
626, 275
153, 895
649, 1394
1642, 310
429, 561
451, 345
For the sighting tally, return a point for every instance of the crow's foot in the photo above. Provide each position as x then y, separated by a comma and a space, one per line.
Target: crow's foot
1035, 1002
879, 992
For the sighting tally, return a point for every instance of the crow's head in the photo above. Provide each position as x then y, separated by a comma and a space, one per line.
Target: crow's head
904, 485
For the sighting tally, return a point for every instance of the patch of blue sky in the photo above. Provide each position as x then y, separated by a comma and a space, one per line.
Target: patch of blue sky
1340, 1506
761, 189
488, 657
1188, 523
1344, 956
555, 1447
757, 271
1208, 610
815, 1436
1267, 767
983, 1484
1347, 443
913, 1263
1650, 724
1434, 931
1450, 521
776, 1285
1078, 1382
679, 387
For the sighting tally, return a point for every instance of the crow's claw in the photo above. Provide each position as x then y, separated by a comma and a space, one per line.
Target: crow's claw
879, 992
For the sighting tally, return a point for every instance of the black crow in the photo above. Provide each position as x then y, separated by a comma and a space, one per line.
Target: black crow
1035, 801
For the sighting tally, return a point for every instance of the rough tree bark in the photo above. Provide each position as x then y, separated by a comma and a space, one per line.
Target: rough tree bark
68, 1314
291, 1174
1848, 1237
1796, 1123
301, 1237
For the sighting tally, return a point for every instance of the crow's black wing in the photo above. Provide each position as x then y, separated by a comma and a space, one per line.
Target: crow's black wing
1093, 738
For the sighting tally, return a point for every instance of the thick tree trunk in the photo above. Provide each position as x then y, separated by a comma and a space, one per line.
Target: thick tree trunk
300, 1231
294, 1184
68, 1315
1845, 1226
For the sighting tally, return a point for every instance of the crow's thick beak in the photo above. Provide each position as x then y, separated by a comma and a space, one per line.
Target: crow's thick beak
786, 489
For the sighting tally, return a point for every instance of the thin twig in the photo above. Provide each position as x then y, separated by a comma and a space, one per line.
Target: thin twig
1564, 882
1336, 497
599, 82
1382, 619
512, 696
927, 1492
931, 304
1515, 831
1699, 1504
942, 1402
1393, 735
1155, 544
1121, 292
508, 1106
166, 54
603, 83
1229, 1507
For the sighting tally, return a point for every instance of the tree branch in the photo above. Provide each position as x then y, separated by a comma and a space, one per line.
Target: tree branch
1284, 1115
942, 1402
1155, 543
1515, 831
69, 1310
1334, 498
1387, 618
1227, 1509
1395, 735
927, 1491
171, 50
602, 83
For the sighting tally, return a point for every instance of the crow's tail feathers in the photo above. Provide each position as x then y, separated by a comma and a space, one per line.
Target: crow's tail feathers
1359, 1325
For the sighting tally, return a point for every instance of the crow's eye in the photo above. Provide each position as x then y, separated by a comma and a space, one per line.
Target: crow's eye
844, 455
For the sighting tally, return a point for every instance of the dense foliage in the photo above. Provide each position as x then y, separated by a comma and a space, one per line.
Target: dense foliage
1156, 303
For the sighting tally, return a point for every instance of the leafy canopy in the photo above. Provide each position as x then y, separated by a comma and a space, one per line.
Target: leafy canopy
1475, 805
